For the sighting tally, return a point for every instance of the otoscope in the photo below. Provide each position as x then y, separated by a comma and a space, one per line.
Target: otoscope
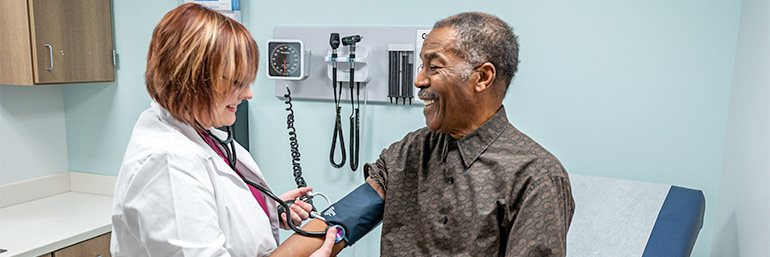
354, 116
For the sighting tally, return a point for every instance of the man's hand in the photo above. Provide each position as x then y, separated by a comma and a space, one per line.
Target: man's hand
299, 210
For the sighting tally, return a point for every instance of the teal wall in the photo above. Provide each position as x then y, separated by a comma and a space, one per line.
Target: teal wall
627, 89
32, 126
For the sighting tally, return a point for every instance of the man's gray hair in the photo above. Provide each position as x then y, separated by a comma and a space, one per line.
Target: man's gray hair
481, 38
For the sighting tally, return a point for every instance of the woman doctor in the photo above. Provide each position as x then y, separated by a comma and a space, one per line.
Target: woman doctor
177, 193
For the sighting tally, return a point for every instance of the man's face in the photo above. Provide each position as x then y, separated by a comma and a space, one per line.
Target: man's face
448, 98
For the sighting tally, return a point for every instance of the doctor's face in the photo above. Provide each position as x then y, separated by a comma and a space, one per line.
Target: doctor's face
224, 112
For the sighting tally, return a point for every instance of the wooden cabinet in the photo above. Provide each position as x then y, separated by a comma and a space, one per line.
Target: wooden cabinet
55, 41
97, 246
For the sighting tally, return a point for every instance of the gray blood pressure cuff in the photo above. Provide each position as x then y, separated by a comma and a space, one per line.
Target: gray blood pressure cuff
358, 213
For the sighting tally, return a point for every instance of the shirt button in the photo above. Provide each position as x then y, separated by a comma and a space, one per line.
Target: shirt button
444, 220
451, 180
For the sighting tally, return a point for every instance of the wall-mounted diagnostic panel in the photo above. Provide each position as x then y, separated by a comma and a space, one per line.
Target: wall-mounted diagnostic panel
377, 64
356, 64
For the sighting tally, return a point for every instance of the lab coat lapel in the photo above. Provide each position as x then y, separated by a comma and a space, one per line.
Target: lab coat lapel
249, 169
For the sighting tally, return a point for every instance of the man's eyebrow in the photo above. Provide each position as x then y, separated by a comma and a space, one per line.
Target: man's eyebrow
429, 55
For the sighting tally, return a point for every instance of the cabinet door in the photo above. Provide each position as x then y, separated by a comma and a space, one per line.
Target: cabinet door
97, 246
15, 61
71, 40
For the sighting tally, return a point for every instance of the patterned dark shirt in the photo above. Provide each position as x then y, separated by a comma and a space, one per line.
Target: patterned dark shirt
494, 192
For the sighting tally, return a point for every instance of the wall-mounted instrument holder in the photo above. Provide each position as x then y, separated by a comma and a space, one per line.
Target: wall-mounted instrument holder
383, 79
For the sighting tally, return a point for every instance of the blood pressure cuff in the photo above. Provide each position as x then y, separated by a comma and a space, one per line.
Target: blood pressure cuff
358, 213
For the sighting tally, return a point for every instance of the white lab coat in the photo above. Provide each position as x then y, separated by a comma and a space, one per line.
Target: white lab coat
175, 196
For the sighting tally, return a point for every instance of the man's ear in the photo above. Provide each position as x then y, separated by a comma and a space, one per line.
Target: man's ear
486, 76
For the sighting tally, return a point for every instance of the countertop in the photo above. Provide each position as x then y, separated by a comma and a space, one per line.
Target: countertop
45, 225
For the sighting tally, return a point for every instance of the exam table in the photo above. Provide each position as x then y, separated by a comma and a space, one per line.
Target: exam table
616, 217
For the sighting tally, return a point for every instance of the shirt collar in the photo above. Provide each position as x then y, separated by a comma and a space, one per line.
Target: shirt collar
473, 144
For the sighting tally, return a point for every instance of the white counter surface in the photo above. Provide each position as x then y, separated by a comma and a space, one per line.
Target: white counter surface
44, 225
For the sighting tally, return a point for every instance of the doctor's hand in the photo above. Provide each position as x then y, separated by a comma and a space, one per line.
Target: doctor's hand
326, 248
299, 210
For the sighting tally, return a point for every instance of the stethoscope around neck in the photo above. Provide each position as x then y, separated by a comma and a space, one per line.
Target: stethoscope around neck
231, 159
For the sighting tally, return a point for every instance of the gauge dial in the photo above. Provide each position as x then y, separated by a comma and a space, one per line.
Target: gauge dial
285, 59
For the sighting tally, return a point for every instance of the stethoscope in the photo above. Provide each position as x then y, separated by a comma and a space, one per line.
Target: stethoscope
231, 159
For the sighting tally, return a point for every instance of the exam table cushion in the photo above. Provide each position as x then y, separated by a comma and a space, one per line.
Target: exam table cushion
615, 217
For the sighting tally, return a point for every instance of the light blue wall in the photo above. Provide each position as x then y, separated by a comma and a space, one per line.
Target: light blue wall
33, 140
627, 89
742, 223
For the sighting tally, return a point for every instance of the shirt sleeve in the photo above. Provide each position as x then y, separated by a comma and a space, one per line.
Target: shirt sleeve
396, 158
377, 171
540, 226
391, 159
171, 208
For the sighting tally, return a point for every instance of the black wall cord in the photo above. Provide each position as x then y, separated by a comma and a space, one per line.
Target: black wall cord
334, 42
337, 133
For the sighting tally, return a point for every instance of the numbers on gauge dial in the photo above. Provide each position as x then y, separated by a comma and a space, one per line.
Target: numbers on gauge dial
285, 59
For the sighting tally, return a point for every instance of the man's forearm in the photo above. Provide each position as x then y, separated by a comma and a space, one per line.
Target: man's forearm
299, 245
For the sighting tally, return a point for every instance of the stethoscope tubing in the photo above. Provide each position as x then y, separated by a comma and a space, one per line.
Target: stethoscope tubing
232, 159
285, 207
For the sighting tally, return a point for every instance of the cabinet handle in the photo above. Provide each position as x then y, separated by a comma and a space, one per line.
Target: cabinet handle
50, 54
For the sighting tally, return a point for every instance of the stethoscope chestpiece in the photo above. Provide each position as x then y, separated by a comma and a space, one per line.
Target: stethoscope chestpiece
340, 233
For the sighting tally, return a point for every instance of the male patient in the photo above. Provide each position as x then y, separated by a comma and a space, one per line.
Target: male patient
469, 183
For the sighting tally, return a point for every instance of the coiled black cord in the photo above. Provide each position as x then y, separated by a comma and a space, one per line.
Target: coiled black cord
354, 115
355, 130
295, 155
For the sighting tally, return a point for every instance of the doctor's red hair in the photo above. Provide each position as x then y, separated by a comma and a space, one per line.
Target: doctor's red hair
196, 57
